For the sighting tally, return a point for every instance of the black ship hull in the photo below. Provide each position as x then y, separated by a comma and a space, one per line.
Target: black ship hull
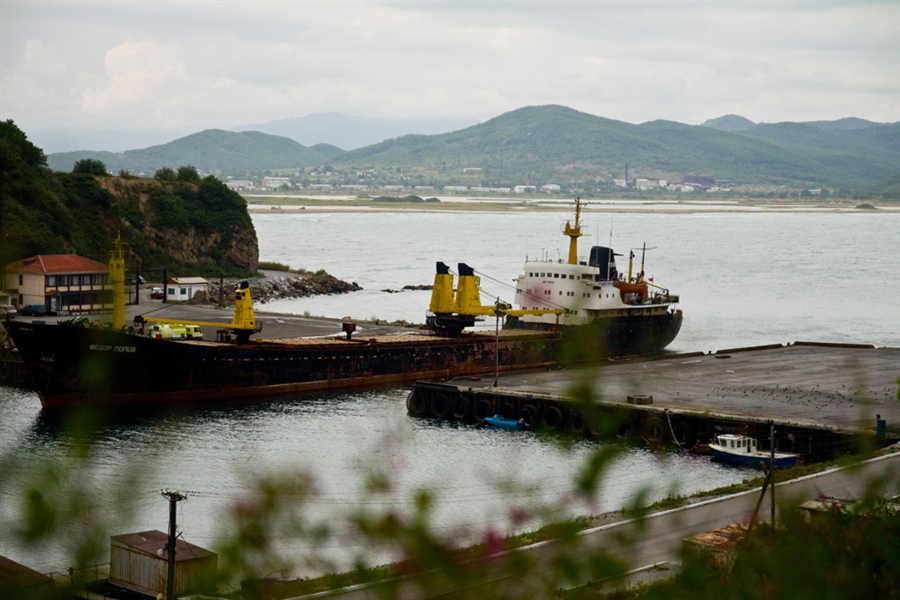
73, 366
633, 334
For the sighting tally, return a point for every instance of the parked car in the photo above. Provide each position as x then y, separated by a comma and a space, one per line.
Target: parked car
157, 293
36, 310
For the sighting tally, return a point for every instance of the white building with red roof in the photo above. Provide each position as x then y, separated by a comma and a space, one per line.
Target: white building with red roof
59, 282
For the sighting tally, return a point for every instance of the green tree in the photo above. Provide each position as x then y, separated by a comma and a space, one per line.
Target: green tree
188, 173
91, 166
165, 174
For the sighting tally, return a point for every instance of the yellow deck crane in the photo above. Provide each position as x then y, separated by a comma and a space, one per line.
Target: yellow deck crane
243, 322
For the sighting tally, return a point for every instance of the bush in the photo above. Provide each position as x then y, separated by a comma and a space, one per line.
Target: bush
165, 174
90, 166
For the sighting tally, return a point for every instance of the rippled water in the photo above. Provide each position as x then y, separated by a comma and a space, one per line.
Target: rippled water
744, 279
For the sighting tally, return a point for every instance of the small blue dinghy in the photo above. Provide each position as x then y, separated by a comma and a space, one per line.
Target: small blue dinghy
503, 423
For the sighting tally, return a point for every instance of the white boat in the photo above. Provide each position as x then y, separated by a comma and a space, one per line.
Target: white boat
736, 449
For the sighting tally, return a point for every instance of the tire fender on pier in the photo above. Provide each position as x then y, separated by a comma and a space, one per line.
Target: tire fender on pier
655, 430
684, 434
509, 411
530, 415
624, 429
440, 406
416, 404
577, 421
551, 418
484, 409
460, 408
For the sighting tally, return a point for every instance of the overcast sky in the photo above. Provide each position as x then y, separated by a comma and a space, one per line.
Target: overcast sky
141, 65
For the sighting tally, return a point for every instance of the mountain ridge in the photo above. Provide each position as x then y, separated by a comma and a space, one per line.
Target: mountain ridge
553, 143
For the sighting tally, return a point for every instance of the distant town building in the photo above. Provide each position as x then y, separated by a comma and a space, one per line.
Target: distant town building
273, 183
620, 182
699, 181
550, 188
471, 169
239, 184
525, 189
321, 186
354, 187
456, 188
424, 188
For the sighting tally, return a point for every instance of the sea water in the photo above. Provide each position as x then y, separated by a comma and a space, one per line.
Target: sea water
744, 279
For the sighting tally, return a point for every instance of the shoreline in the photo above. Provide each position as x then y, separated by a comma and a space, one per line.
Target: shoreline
300, 205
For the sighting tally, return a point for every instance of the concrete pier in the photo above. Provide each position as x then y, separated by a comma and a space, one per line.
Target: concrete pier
821, 397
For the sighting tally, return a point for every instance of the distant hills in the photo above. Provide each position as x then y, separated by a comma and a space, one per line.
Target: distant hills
537, 145
213, 150
351, 132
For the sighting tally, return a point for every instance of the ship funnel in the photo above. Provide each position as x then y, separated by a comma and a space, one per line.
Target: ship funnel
605, 260
442, 298
468, 296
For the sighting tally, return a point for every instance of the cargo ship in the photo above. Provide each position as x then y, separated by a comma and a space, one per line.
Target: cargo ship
74, 363
623, 314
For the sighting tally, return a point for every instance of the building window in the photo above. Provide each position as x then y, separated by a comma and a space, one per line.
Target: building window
51, 280
21, 280
171, 291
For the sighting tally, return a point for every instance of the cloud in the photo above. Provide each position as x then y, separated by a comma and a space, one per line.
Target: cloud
219, 64
136, 73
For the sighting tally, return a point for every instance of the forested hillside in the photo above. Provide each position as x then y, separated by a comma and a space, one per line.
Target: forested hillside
191, 227
555, 144
210, 151
538, 145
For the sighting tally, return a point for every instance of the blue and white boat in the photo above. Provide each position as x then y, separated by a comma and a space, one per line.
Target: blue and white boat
503, 423
740, 450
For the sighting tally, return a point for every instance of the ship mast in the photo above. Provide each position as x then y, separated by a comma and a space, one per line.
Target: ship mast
574, 233
117, 278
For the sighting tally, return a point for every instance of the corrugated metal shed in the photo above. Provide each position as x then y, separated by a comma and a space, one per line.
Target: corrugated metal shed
137, 561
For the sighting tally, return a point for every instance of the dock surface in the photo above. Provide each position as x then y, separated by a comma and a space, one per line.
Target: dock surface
841, 388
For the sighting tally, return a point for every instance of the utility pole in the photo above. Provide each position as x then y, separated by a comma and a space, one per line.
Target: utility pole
173, 498
772, 469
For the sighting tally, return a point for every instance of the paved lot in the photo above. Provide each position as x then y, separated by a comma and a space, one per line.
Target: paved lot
840, 387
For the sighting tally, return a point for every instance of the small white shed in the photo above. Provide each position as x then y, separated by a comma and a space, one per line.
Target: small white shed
184, 288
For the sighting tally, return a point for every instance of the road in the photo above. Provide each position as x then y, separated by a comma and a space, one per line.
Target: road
653, 540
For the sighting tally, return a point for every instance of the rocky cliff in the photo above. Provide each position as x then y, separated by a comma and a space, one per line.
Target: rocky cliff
185, 224
201, 226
